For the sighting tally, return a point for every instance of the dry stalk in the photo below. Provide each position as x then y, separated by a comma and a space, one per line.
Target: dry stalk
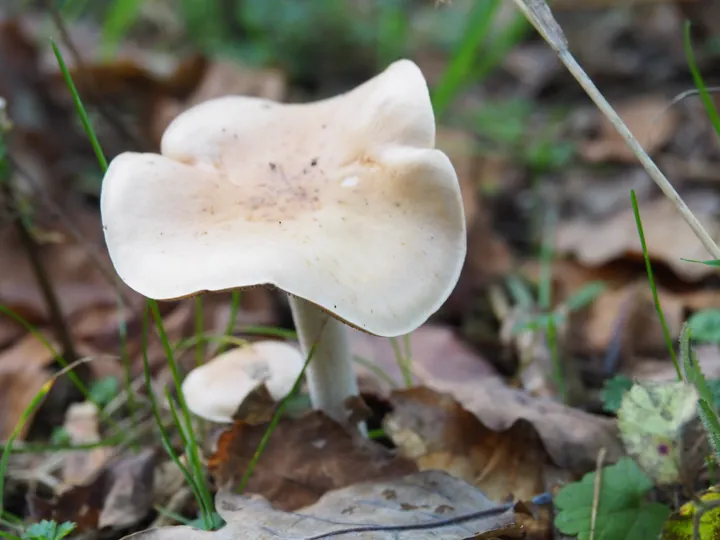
541, 17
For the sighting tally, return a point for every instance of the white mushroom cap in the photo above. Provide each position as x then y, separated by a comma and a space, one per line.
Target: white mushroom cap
215, 390
343, 202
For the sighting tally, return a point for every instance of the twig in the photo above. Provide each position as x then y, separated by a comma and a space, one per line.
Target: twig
48, 291
539, 14
597, 487
7, 191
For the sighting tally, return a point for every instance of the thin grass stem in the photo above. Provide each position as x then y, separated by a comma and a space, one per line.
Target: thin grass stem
653, 287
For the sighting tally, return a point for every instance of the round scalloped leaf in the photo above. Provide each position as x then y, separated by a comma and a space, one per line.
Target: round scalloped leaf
652, 419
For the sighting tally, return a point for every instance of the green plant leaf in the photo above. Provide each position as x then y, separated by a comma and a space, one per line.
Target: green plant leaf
622, 511
585, 295
59, 436
199, 522
104, 391
705, 326
680, 525
712, 262
613, 391
711, 424
652, 419
121, 15
48, 530
705, 96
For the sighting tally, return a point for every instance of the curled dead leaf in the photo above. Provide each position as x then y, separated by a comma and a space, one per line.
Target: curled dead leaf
439, 434
572, 437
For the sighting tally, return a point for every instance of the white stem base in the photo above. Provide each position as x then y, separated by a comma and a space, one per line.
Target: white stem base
330, 374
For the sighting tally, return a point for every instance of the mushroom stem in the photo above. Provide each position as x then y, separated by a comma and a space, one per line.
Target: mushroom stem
330, 375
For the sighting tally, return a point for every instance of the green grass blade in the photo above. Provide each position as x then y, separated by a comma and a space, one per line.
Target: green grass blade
653, 287
210, 338
547, 255
73, 9
190, 440
404, 366
118, 20
59, 358
24, 417
699, 82
379, 372
80, 108
195, 466
392, 31
31, 448
460, 67
102, 161
27, 413
164, 436
270, 331
199, 331
274, 422
510, 36
235, 300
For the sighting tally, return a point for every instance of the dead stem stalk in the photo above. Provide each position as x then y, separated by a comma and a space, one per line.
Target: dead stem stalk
31, 248
539, 14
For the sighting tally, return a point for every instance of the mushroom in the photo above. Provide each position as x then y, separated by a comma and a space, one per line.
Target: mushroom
215, 390
343, 203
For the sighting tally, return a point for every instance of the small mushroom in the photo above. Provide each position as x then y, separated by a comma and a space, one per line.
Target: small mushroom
343, 203
215, 390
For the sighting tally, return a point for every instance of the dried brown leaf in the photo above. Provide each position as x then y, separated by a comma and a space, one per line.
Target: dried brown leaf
305, 458
119, 495
438, 434
81, 425
572, 437
422, 506
23, 373
647, 117
667, 235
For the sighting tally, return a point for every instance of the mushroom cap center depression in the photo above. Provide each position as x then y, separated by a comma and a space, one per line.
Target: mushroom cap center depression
280, 189
287, 171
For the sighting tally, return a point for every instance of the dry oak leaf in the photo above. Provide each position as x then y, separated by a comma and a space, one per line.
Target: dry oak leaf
434, 430
571, 437
423, 506
667, 235
647, 117
627, 315
304, 458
